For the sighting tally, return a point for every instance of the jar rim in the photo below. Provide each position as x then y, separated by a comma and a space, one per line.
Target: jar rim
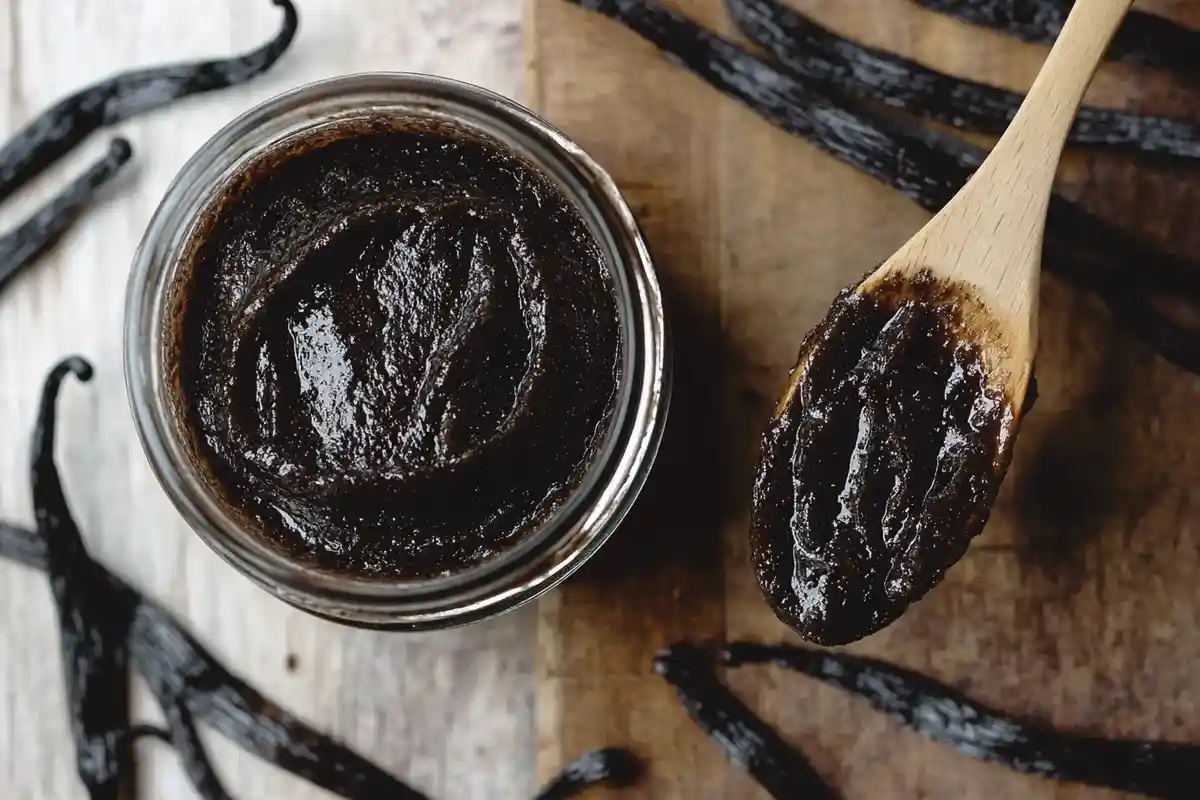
590, 514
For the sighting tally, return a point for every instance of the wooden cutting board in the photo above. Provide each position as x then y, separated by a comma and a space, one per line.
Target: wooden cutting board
1079, 605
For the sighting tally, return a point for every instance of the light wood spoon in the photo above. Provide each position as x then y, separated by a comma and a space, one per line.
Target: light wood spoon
989, 236
885, 454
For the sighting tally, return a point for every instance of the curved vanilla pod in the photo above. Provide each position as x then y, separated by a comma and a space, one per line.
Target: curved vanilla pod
56, 131
62, 127
1146, 39
107, 625
93, 622
810, 50
103, 618
945, 715
747, 740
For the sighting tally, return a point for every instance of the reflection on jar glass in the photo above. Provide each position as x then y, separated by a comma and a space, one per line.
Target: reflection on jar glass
396, 350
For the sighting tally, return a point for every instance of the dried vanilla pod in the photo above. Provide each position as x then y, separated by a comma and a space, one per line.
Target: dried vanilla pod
66, 124
1146, 39
809, 50
107, 626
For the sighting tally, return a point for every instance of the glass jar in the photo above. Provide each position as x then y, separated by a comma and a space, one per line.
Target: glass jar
544, 557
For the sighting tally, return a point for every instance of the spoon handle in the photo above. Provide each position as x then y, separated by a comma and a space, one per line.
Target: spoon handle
1029, 150
990, 234
988, 238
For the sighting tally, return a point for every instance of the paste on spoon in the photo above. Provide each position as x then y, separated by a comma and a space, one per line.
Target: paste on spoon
881, 463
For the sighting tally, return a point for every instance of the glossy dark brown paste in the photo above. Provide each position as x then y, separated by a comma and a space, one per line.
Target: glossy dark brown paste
397, 349
881, 464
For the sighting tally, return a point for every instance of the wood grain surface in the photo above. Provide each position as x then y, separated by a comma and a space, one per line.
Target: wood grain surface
1078, 605
452, 712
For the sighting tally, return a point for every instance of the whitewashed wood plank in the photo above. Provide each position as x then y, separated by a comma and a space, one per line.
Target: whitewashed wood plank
452, 710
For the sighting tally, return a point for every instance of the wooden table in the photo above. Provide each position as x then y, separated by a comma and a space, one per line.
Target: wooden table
452, 712
1077, 606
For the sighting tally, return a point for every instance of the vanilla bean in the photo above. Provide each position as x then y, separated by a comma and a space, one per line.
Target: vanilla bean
747, 740
107, 625
59, 129
1146, 39
94, 624
812, 51
192, 754
67, 123
945, 715
31, 238
22, 546
181, 673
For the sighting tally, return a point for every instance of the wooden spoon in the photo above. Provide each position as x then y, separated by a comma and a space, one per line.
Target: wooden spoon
988, 238
887, 450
